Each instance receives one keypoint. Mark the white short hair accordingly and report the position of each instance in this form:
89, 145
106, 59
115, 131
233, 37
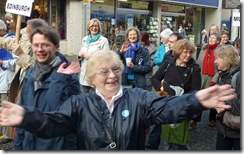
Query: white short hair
8, 15
166, 33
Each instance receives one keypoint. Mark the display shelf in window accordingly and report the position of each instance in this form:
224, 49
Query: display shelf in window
152, 29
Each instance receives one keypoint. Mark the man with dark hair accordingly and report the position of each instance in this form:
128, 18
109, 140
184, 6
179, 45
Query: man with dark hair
23, 51
46, 89
175, 36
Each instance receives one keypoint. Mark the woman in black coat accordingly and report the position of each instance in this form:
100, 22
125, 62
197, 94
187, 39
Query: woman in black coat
228, 122
180, 71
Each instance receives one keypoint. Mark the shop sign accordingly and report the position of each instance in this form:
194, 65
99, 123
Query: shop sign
125, 5
19, 7
164, 8
236, 19
204, 3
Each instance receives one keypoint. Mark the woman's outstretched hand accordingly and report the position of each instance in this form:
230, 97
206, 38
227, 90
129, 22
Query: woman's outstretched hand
125, 46
215, 96
11, 114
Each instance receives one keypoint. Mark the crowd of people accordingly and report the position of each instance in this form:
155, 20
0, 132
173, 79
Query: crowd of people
114, 100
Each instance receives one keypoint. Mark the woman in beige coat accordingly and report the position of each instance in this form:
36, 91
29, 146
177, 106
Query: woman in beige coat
208, 68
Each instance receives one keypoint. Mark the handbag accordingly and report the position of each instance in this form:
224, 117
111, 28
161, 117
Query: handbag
231, 120
176, 133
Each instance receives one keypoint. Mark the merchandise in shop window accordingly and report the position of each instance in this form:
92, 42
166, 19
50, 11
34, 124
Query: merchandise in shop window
168, 22
152, 29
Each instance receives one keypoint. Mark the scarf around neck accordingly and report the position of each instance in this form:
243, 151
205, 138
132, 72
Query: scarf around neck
42, 70
91, 39
131, 53
208, 61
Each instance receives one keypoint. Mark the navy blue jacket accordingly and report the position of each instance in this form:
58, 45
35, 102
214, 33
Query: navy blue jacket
48, 97
134, 111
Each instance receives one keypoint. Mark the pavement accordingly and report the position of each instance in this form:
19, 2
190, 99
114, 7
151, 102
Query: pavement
203, 138
5, 146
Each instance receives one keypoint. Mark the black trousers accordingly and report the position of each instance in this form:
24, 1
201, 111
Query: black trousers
212, 115
225, 143
154, 139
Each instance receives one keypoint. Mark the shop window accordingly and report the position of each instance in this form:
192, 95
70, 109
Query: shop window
40, 9
2, 8
168, 22
193, 24
128, 13
53, 11
58, 16
172, 16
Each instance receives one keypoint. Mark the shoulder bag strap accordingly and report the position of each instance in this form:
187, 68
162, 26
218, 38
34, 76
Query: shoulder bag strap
112, 145
233, 79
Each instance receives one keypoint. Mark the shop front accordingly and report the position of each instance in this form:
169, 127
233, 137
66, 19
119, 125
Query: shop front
53, 11
139, 14
190, 17
128, 14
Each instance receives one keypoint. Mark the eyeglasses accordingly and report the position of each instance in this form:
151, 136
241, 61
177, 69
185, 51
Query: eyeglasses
43, 46
225, 37
105, 72
132, 34
95, 26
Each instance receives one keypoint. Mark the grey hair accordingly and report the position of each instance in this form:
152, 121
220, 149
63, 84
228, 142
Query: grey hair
137, 32
3, 25
36, 22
